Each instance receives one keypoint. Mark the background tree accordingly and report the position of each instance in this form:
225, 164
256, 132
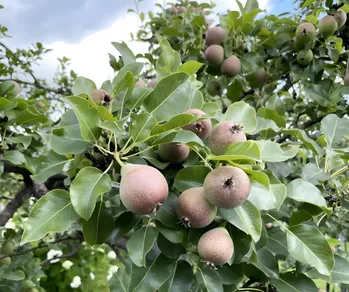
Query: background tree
216, 161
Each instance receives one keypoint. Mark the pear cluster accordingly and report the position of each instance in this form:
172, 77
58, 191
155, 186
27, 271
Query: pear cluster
215, 55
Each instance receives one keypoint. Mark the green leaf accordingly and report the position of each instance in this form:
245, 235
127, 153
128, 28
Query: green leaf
293, 282
303, 191
51, 213
334, 129
190, 67
210, 279
167, 213
181, 278
127, 81
13, 275
15, 157
277, 241
134, 68
48, 165
339, 273
83, 85
267, 263
308, 245
245, 217
318, 93
153, 277
87, 115
29, 116
141, 126
170, 96
301, 135
173, 123
275, 103
274, 152
250, 5
265, 199
120, 280
66, 137
20, 139
99, 227
243, 114
169, 249
87, 186
248, 150
140, 243
190, 177
137, 97
174, 235
271, 114
169, 60
127, 55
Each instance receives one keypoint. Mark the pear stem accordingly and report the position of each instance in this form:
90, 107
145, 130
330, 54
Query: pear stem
118, 160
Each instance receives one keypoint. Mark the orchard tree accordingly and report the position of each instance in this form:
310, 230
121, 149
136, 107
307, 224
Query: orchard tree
216, 161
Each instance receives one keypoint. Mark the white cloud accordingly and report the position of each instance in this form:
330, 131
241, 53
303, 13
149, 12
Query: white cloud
90, 56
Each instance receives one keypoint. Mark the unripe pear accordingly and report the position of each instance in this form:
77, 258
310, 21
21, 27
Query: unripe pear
257, 78
194, 210
341, 17
27, 284
231, 66
181, 9
304, 57
5, 261
142, 188
346, 80
216, 247
214, 55
173, 152
327, 25
201, 128
305, 33
7, 248
227, 187
152, 83
224, 134
100, 96
213, 88
216, 35
140, 83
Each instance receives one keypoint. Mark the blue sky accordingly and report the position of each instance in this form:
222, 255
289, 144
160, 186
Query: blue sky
79, 29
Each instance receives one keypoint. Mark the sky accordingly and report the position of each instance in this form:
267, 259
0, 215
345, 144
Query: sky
82, 30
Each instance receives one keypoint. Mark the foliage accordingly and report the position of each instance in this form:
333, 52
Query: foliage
290, 235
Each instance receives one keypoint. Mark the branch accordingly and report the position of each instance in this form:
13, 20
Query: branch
19, 170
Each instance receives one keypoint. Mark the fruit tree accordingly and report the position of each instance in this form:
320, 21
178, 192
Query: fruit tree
216, 161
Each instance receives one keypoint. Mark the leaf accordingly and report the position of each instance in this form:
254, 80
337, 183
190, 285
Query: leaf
15, 157
134, 68
153, 277
181, 279
20, 139
210, 279
293, 282
339, 273
273, 152
87, 186
243, 114
137, 97
242, 244
87, 115
66, 137
13, 275
277, 241
245, 217
169, 97
248, 150
29, 116
83, 85
140, 243
265, 199
307, 244
318, 93
120, 280
167, 213
169, 58
301, 135
127, 81
49, 165
99, 227
141, 126
334, 129
275, 103
190, 177
51, 213
190, 67
127, 55
267, 263
303, 191
173, 123
174, 235
271, 114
